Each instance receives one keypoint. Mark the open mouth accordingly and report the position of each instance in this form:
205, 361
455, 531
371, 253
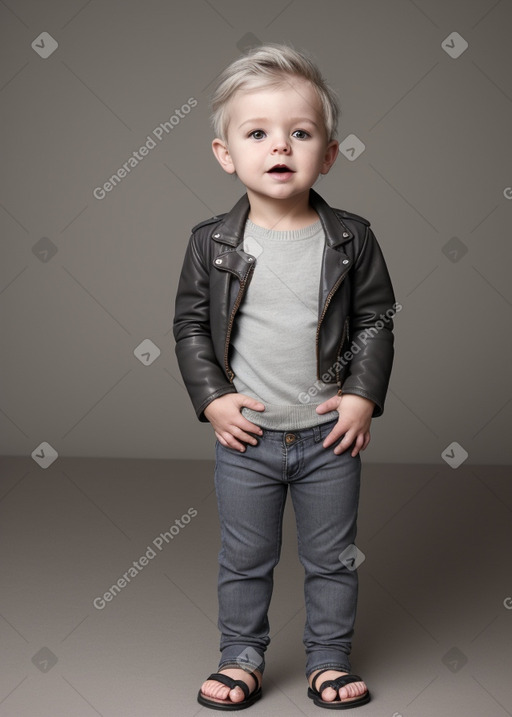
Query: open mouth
279, 169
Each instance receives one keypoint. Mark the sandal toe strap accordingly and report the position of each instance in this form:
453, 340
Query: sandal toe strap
230, 682
251, 673
339, 682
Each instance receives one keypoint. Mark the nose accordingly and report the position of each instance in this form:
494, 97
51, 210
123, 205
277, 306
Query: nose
280, 145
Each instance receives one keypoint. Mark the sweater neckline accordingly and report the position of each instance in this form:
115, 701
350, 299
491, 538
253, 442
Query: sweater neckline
306, 232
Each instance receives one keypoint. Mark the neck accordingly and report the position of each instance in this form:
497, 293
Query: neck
281, 214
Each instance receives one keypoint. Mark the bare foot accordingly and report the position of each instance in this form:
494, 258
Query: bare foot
221, 693
348, 693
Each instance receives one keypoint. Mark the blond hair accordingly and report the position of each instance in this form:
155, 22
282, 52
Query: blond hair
270, 66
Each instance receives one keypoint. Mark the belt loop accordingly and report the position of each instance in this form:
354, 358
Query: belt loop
317, 433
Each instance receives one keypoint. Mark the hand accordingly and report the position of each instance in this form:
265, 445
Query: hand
230, 426
355, 416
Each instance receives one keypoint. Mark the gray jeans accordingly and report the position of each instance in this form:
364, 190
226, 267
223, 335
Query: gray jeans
251, 492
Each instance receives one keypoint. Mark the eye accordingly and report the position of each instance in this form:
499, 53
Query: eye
300, 134
257, 134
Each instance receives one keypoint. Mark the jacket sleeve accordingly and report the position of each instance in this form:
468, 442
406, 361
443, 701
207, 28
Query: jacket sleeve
203, 377
371, 327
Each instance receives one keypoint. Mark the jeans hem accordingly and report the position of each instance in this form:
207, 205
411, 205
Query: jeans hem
247, 666
331, 665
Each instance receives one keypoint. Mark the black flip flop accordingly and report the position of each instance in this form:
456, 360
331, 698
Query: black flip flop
250, 697
316, 694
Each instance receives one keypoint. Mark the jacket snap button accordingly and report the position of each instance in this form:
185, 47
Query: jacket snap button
216, 236
345, 261
345, 234
218, 261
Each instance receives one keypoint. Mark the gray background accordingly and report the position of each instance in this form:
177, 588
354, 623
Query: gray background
437, 165
84, 281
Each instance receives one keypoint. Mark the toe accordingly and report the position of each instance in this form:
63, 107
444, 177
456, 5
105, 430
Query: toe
236, 695
206, 688
212, 688
219, 692
347, 693
352, 690
328, 695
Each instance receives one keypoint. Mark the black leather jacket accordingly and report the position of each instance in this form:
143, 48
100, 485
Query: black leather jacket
354, 339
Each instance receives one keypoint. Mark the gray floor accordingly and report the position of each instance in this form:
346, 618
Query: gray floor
434, 626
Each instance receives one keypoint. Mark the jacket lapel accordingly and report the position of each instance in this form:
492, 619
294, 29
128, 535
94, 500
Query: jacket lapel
335, 262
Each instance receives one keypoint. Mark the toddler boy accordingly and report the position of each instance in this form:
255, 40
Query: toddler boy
283, 331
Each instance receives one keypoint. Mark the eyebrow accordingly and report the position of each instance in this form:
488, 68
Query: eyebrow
294, 120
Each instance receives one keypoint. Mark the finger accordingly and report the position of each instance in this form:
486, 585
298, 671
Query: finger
231, 442
358, 445
347, 440
255, 405
249, 402
334, 435
245, 425
330, 405
238, 437
238, 432
247, 438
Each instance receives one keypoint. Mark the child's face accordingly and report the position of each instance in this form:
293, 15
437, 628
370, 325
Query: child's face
276, 126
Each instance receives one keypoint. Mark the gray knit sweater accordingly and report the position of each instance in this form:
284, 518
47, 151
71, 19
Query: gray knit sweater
274, 355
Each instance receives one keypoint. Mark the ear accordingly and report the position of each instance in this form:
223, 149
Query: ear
221, 152
330, 155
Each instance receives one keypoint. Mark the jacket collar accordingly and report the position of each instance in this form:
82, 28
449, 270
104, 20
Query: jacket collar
231, 228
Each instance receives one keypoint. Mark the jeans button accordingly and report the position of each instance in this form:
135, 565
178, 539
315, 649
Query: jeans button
290, 438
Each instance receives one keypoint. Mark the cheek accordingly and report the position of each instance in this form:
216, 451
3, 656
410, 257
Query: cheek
244, 165
313, 155
249, 160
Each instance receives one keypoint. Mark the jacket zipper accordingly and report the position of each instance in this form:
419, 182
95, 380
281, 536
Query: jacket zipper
326, 306
238, 300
